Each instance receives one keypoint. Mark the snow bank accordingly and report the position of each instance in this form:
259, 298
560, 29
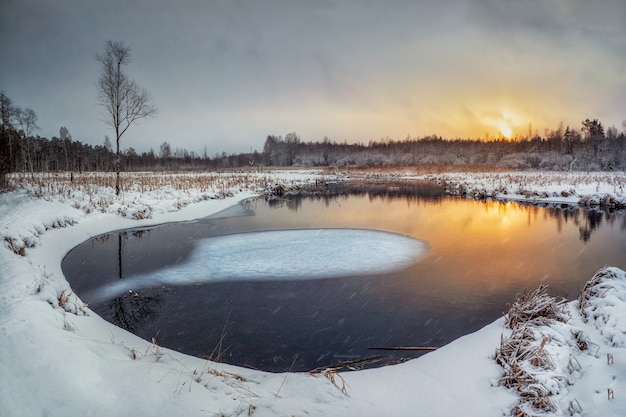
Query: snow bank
25, 219
602, 304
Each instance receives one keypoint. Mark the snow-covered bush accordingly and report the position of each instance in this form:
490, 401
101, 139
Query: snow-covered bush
603, 303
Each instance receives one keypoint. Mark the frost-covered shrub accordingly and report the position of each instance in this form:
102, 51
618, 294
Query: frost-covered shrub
375, 159
346, 161
514, 161
312, 159
555, 161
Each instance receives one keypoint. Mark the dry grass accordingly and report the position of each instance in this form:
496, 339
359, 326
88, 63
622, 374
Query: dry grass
217, 372
69, 302
64, 298
86, 189
42, 280
216, 356
524, 354
536, 307
63, 183
15, 246
333, 376
153, 348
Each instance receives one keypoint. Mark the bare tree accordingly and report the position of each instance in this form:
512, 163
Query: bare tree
66, 140
165, 152
7, 119
123, 100
27, 118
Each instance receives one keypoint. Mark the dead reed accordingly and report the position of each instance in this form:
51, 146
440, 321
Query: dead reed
524, 354
89, 184
536, 307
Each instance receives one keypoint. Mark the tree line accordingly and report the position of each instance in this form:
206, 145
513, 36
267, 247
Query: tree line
590, 147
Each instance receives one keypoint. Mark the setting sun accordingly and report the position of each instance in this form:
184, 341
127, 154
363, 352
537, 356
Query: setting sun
505, 129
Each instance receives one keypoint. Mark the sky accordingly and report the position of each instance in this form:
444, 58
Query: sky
225, 74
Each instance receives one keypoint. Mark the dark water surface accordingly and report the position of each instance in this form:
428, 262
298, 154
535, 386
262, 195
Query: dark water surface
480, 255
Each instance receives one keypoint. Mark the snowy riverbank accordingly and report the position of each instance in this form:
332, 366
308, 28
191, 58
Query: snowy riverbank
57, 358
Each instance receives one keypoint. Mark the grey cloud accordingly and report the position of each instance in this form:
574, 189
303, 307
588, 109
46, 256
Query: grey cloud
603, 20
254, 64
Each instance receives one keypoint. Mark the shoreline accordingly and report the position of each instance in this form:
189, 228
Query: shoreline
390, 184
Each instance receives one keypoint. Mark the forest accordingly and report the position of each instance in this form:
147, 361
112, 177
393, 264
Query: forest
589, 147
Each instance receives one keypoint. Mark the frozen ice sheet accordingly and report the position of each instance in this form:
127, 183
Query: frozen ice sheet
280, 255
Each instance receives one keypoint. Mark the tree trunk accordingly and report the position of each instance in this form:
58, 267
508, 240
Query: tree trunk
117, 163
117, 175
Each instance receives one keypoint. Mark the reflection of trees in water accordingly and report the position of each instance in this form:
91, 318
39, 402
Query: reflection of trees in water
418, 190
122, 237
593, 219
101, 240
333, 193
133, 310
105, 238
614, 219
587, 220
138, 234
292, 202
563, 214
425, 192
250, 204
410, 190
590, 222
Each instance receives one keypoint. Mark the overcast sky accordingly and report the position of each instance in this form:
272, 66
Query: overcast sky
225, 74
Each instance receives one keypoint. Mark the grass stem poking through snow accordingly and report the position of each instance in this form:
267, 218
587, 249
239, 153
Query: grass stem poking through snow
286, 375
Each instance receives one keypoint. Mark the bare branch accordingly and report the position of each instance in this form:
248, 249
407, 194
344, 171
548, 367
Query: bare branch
122, 100
27, 119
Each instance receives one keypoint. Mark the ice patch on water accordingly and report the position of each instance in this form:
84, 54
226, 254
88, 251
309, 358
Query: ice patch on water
280, 255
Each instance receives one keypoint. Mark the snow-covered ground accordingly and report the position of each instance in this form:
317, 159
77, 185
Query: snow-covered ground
57, 358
